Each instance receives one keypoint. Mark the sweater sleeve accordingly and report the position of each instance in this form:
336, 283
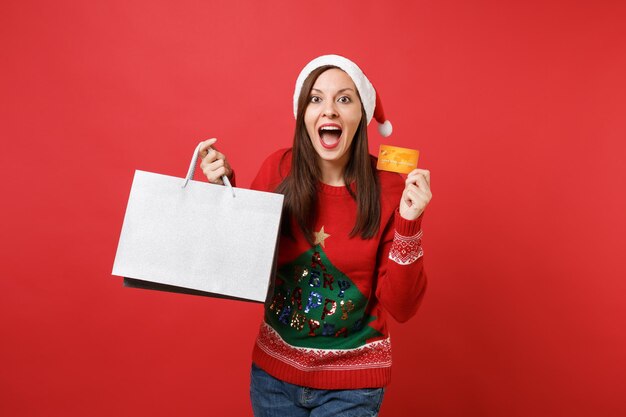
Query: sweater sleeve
401, 277
272, 172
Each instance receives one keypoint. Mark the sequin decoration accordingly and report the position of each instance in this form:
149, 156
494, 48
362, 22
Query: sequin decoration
328, 329
298, 320
313, 326
314, 279
329, 311
277, 302
316, 261
346, 308
328, 281
299, 272
343, 331
284, 315
296, 298
343, 286
315, 301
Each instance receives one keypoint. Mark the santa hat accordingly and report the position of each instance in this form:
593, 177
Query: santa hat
370, 99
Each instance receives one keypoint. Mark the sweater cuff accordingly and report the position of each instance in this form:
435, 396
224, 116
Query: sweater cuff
406, 247
407, 228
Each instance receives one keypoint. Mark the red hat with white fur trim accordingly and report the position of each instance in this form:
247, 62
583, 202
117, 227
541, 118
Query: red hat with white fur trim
370, 99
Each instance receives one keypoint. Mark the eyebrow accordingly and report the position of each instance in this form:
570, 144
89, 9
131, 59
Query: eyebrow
340, 91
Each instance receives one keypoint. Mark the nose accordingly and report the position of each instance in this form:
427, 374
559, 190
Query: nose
329, 109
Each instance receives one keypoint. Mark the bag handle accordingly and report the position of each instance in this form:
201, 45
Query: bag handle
192, 168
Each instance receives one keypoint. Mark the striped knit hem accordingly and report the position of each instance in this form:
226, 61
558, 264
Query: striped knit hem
366, 367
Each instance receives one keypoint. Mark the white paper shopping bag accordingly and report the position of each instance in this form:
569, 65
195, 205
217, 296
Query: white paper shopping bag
194, 237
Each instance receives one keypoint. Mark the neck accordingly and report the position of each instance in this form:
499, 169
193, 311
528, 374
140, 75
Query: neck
332, 172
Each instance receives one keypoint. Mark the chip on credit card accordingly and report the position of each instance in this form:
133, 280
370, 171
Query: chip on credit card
395, 159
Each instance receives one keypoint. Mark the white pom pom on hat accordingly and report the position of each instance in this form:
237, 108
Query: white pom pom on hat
370, 99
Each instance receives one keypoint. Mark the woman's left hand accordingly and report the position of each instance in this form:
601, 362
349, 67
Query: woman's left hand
416, 194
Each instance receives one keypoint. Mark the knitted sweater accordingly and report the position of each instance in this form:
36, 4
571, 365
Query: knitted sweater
325, 320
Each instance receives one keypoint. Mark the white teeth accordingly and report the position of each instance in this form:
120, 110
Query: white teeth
330, 128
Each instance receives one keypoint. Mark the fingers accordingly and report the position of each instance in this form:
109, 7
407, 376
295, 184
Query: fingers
213, 164
412, 204
215, 170
208, 153
417, 172
416, 194
210, 156
204, 147
420, 178
416, 191
424, 186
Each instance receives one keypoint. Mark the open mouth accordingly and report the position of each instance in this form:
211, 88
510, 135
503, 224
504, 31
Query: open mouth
329, 135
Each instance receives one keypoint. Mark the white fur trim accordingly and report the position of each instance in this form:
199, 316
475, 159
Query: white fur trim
366, 90
385, 129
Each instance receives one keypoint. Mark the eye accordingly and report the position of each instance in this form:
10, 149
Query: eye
344, 99
315, 99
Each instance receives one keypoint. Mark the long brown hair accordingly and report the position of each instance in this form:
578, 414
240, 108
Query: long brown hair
300, 186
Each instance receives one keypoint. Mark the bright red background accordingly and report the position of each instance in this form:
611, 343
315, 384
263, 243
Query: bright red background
518, 108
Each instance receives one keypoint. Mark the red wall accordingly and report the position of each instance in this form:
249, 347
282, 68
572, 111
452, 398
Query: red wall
518, 109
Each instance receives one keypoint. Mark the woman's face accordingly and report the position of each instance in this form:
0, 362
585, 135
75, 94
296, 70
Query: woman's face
333, 115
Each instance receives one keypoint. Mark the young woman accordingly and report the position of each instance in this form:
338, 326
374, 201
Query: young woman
349, 253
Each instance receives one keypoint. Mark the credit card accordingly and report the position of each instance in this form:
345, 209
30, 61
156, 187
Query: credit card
395, 159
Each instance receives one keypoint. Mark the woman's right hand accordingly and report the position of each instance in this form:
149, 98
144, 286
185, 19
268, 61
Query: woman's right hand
214, 163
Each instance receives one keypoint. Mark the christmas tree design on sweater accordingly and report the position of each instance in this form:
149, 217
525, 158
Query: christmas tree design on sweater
315, 305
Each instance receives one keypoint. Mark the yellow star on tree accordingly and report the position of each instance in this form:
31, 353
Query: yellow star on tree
320, 237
